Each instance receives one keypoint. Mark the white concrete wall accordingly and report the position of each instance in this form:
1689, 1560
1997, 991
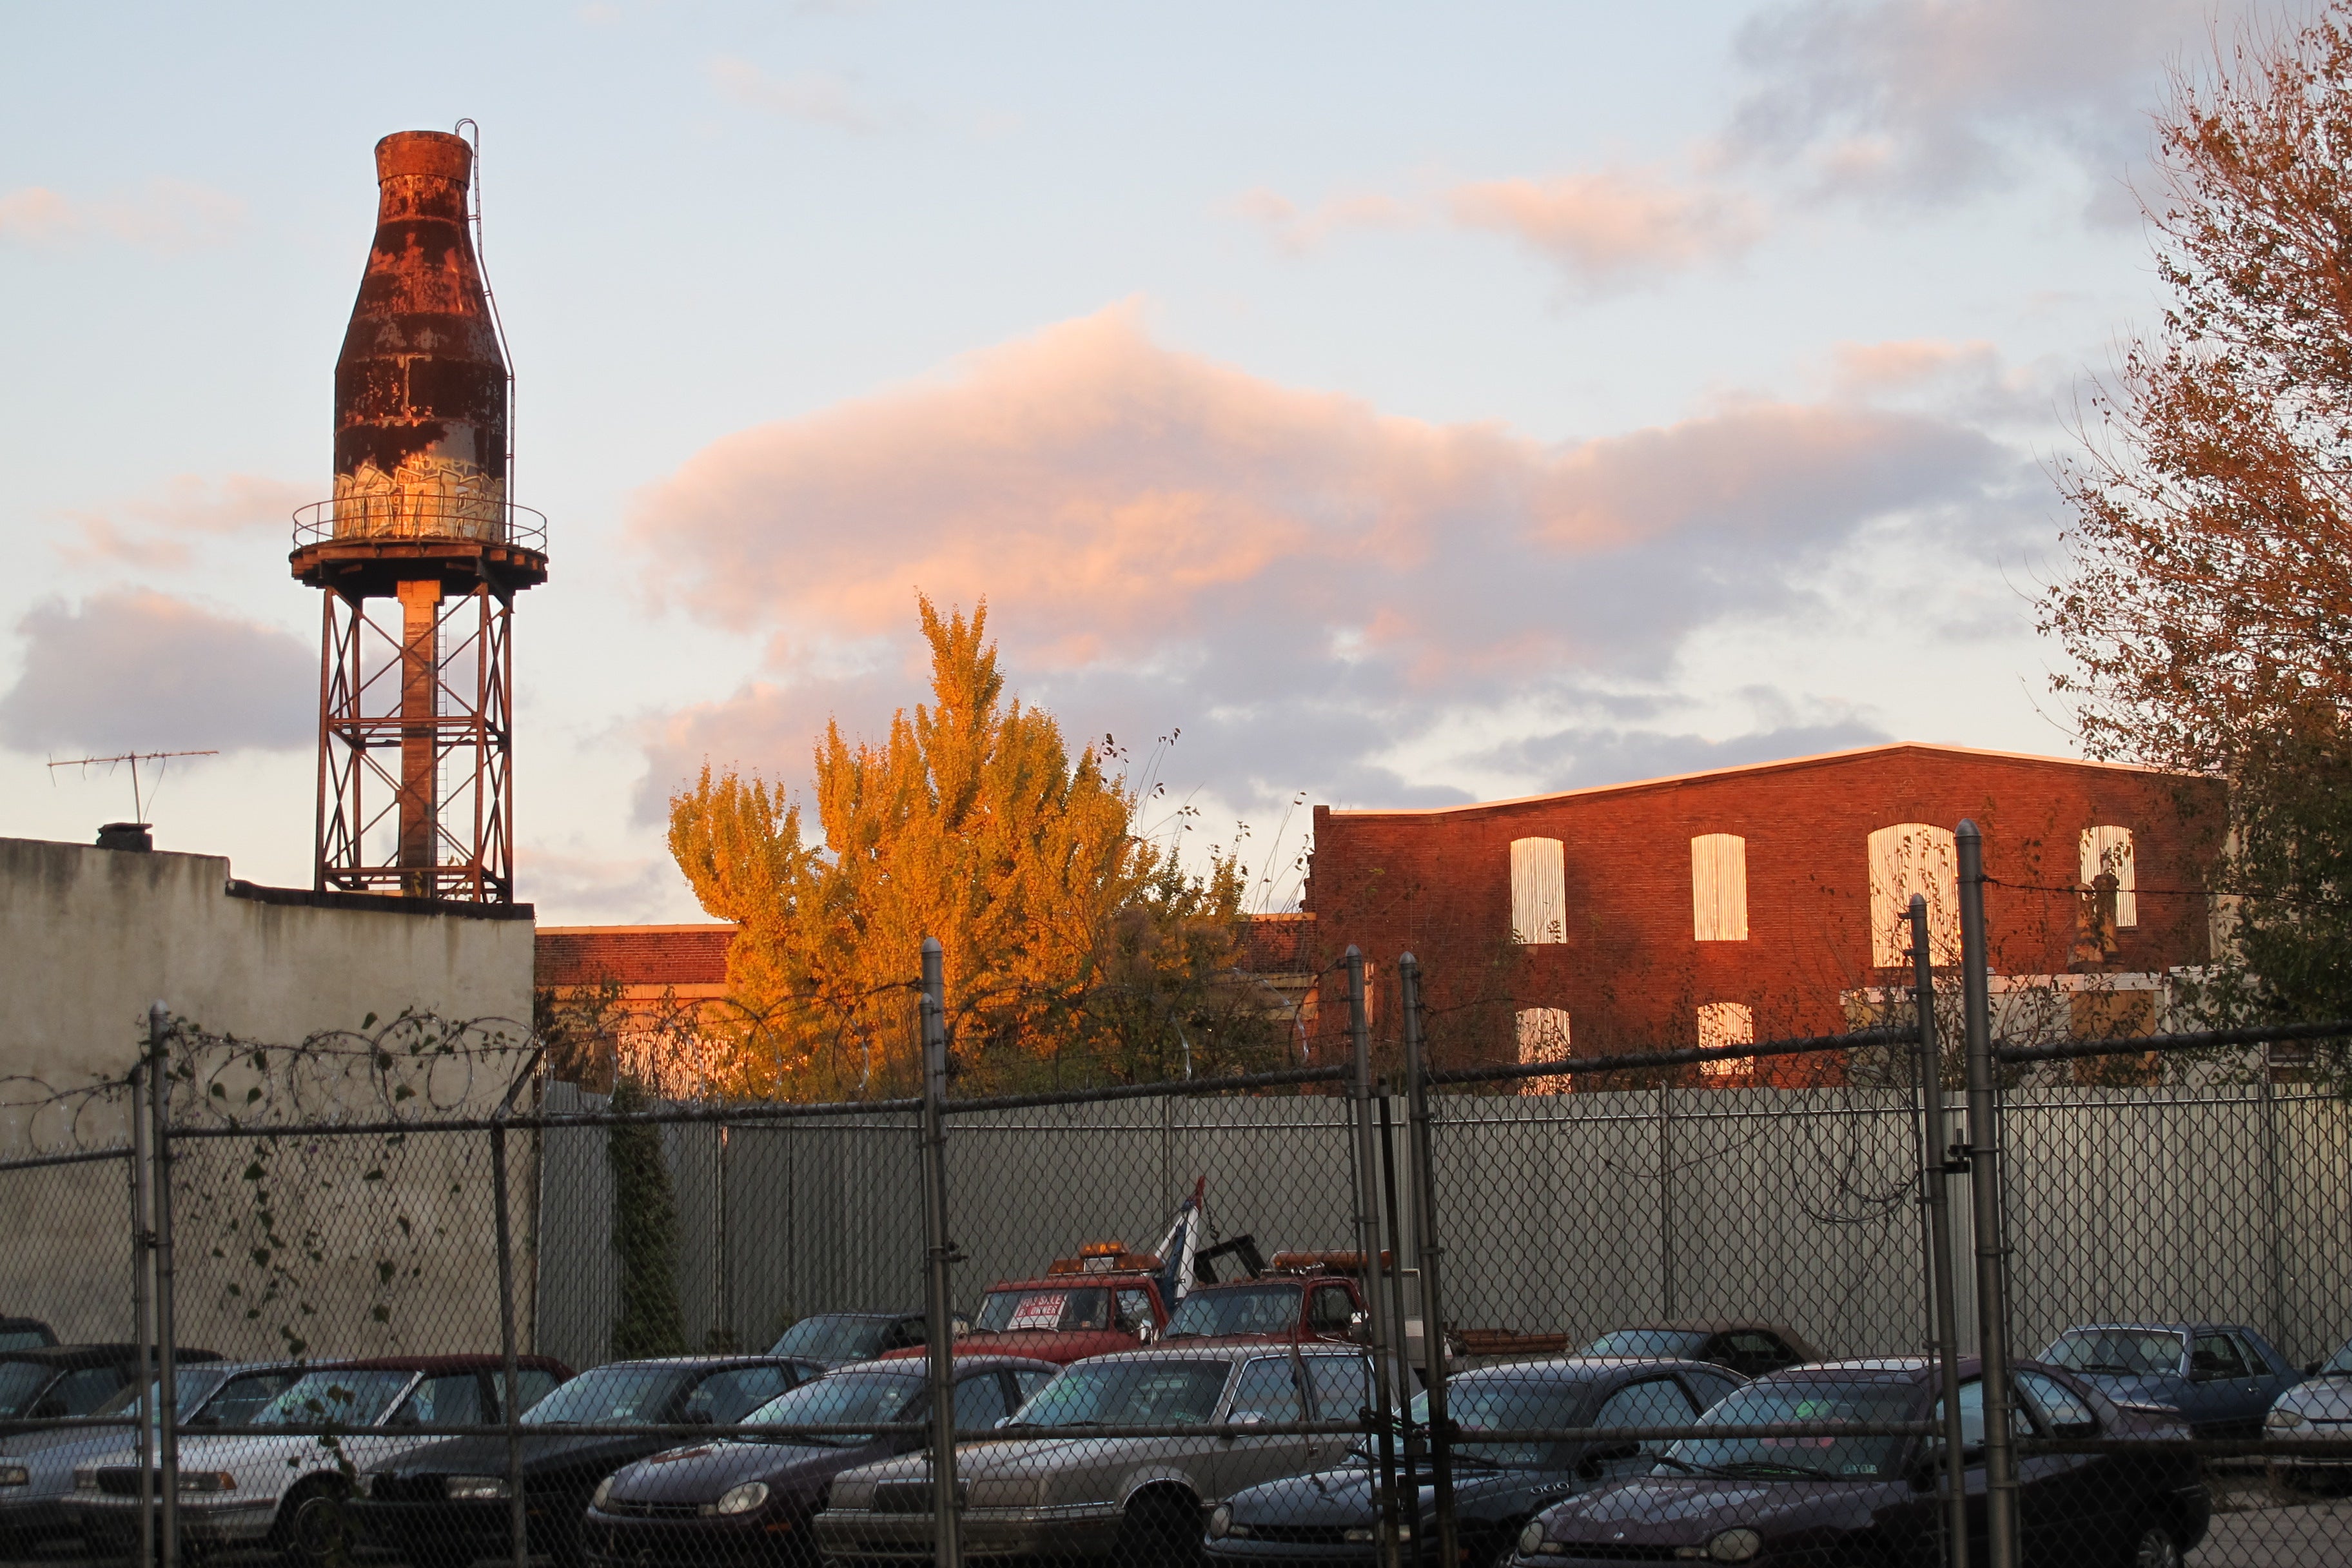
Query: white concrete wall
397, 1260
89, 937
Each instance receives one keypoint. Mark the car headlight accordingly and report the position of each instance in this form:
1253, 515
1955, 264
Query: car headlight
604, 1490
14, 1476
207, 1481
1735, 1546
474, 1489
742, 1499
1221, 1523
2280, 1420
1532, 1539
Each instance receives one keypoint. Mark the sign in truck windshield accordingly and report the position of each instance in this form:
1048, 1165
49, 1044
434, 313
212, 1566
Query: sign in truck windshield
1004, 1311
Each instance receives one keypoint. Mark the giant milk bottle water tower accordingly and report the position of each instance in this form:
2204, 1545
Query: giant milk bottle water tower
420, 554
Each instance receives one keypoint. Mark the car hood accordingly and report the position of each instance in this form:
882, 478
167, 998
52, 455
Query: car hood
699, 1473
1344, 1497
1684, 1511
2322, 1399
542, 1454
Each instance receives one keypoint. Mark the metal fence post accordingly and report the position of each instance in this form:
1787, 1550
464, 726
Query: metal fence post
937, 1298
518, 1516
1942, 1310
1368, 1244
1985, 1196
1423, 1178
167, 1414
142, 1308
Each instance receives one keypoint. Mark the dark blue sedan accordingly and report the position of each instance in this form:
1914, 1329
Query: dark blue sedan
2222, 1377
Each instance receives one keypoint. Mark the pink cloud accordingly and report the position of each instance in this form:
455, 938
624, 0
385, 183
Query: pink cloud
1300, 230
1112, 498
1612, 228
169, 214
192, 509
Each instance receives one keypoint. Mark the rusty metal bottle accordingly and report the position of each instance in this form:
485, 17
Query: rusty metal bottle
420, 383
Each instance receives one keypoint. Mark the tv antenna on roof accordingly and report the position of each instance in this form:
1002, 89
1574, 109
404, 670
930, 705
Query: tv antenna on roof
138, 804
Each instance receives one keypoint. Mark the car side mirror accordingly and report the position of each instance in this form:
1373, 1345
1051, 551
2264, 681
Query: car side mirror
1001, 1423
2312, 1369
1596, 1458
1246, 1418
1149, 1333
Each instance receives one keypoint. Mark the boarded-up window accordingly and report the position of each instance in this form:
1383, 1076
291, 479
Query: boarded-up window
1543, 1037
1906, 858
1722, 1024
1719, 887
1538, 891
2110, 849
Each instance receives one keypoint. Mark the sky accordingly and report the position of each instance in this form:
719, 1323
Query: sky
1371, 406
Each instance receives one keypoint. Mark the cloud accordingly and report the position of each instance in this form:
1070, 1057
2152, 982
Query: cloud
1298, 230
169, 215
814, 97
158, 531
1310, 586
1614, 229
1927, 100
138, 670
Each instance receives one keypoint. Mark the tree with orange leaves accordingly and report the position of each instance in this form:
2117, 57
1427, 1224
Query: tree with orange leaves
2208, 603
1074, 949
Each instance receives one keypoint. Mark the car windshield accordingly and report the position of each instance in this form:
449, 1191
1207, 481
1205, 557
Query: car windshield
1129, 1393
21, 1383
2337, 1365
2144, 1353
1239, 1310
22, 1339
1664, 1342
1787, 1402
346, 1399
1083, 1307
833, 1337
194, 1385
836, 1401
1502, 1403
623, 1396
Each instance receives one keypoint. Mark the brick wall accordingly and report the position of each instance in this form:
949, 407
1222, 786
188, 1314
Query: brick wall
1629, 971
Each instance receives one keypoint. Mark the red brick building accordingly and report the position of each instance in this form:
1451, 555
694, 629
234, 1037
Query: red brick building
1753, 902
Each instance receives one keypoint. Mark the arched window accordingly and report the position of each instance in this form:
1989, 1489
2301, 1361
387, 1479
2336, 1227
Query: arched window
1538, 891
1906, 858
2109, 849
1719, 887
1543, 1036
1724, 1024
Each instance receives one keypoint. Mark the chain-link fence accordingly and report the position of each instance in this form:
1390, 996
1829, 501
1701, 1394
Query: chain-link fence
1914, 1294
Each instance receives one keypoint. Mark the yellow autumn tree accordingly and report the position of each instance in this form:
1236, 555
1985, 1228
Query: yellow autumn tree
1074, 950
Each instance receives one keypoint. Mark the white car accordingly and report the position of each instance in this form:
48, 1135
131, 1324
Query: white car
2320, 1407
286, 1493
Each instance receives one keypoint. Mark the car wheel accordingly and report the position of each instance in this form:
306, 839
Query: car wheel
2155, 1548
1162, 1531
313, 1527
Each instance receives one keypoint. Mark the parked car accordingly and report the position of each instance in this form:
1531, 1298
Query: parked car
54, 1381
1749, 1348
37, 1470
2320, 1407
1332, 1516
1104, 1300
26, 1334
1732, 1497
1281, 1306
751, 1501
445, 1502
291, 1493
837, 1338
2222, 1378
1044, 1488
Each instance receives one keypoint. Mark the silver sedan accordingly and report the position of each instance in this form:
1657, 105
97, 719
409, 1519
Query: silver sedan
1043, 1487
